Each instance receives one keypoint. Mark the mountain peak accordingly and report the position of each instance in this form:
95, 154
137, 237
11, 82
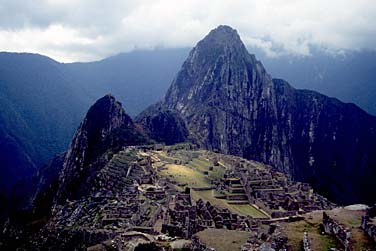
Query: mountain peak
223, 35
230, 104
109, 96
223, 30
219, 60
220, 42
106, 127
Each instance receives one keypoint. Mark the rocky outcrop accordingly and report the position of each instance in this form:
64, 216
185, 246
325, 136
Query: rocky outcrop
105, 129
45, 186
164, 126
232, 105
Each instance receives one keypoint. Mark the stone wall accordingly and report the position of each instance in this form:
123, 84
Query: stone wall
197, 245
339, 231
155, 217
369, 228
306, 242
368, 225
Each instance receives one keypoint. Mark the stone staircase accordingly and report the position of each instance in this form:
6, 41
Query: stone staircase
235, 193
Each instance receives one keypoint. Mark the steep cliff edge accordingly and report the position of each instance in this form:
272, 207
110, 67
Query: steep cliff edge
232, 105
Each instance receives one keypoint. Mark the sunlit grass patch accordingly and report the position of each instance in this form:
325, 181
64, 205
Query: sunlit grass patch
209, 195
223, 240
185, 175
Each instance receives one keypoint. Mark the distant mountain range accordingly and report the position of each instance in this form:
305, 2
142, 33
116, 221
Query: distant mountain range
39, 110
349, 77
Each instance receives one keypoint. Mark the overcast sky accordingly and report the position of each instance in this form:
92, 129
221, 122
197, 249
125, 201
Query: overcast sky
85, 30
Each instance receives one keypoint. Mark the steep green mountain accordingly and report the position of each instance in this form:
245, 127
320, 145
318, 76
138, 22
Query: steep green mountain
232, 105
105, 130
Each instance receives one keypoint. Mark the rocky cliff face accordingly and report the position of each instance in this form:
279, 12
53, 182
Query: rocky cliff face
163, 126
232, 105
44, 186
105, 129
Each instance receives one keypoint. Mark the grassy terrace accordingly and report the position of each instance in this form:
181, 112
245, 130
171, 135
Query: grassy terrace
209, 195
223, 240
351, 219
185, 176
295, 230
203, 165
192, 175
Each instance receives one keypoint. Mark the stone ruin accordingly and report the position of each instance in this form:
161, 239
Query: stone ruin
306, 242
186, 217
273, 240
342, 233
181, 217
369, 222
268, 189
131, 240
197, 245
130, 197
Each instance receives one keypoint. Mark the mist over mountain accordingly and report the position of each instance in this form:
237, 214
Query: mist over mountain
349, 76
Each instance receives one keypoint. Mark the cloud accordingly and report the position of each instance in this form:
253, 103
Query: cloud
70, 30
57, 41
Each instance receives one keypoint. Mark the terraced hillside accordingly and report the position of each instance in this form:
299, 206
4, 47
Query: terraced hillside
170, 196
197, 170
244, 187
